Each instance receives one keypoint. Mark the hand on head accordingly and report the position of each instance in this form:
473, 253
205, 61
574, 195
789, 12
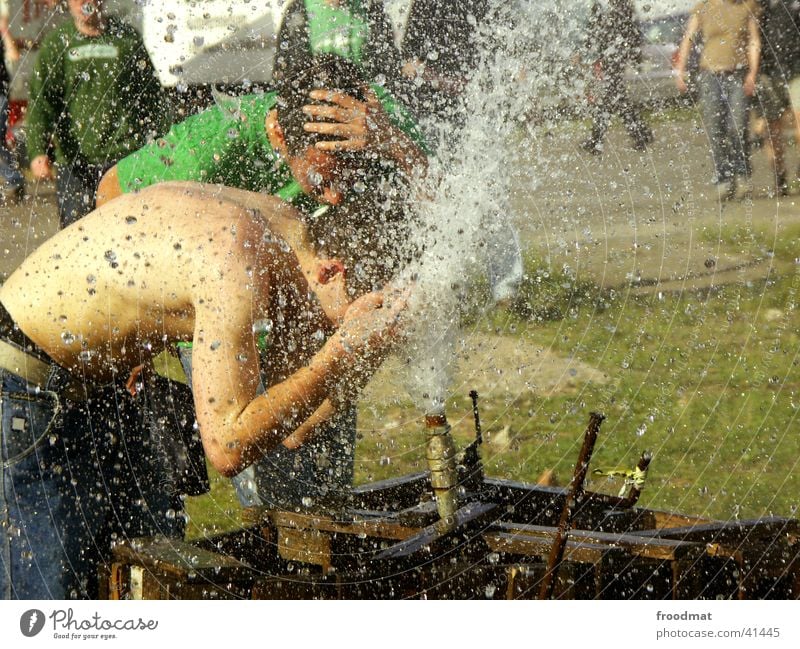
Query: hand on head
353, 124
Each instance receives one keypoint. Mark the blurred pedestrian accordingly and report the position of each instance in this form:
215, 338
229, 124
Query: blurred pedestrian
95, 93
14, 183
729, 64
780, 62
614, 41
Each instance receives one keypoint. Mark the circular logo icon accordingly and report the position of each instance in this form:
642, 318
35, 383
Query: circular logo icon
31, 622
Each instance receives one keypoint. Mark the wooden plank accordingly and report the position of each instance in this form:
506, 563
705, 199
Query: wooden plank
181, 560
305, 546
532, 546
728, 532
382, 528
641, 546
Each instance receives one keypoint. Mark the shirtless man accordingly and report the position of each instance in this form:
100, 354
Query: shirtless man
276, 143
175, 262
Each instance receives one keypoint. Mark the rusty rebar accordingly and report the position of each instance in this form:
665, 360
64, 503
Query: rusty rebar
574, 494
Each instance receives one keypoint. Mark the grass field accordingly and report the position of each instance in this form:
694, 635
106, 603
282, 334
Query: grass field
707, 381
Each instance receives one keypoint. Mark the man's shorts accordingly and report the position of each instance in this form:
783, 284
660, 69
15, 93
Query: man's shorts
772, 97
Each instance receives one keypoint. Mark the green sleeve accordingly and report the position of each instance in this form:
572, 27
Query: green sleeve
46, 90
191, 150
401, 117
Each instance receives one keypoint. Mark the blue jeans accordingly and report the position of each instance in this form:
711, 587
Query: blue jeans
75, 478
9, 169
318, 472
725, 108
76, 190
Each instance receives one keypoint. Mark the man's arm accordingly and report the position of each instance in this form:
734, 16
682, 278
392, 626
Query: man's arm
753, 56
46, 90
236, 426
683, 52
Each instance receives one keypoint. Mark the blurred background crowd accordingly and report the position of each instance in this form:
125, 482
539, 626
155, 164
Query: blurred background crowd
737, 60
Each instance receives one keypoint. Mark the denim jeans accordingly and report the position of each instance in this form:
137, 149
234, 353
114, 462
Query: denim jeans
76, 190
725, 108
317, 473
9, 169
75, 478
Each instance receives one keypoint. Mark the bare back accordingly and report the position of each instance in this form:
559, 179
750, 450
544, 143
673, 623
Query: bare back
106, 290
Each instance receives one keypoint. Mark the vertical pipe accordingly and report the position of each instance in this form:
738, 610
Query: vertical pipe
441, 456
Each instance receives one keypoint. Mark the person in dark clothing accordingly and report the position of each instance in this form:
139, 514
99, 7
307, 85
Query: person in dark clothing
780, 63
442, 49
440, 52
615, 40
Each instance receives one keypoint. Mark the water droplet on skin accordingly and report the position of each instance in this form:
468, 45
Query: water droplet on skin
215, 345
91, 279
67, 337
110, 256
263, 326
169, 514
130, 220
242, 358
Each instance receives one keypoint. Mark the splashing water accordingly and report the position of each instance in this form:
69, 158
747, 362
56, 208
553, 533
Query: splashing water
528, 53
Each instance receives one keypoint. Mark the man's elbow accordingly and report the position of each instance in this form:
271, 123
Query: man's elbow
226, 463
109, 187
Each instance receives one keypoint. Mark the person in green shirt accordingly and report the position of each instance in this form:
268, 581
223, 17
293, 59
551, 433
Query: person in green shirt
241, 142
95, 95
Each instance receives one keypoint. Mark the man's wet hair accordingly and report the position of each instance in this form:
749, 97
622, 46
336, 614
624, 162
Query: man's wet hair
369, 230
325, 71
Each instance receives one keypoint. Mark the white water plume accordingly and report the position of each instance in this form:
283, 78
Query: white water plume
523, 82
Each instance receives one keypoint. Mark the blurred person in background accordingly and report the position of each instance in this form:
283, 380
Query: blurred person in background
614, 41
780, 63
729, 64
14, 183
440, 53
94, 94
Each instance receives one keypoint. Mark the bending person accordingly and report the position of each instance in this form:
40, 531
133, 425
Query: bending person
175, 263
268, 143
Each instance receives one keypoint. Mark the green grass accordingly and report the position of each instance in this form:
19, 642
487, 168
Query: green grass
707, 381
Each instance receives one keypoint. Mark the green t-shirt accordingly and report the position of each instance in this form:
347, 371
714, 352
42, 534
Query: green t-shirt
228, 144
99, 96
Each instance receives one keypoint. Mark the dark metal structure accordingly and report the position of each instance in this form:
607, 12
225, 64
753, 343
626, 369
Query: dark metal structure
505, 540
